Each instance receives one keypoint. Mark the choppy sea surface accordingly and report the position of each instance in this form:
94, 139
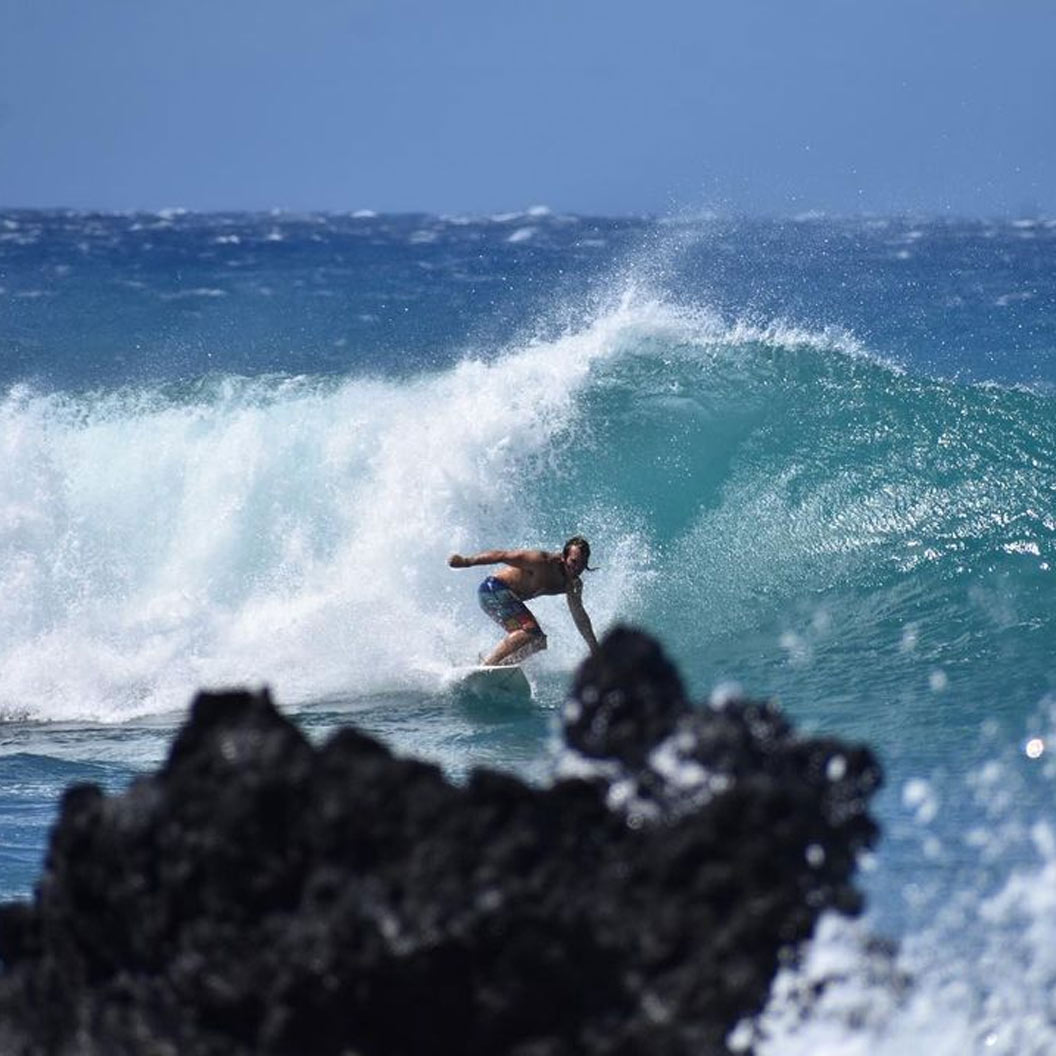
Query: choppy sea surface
816, 457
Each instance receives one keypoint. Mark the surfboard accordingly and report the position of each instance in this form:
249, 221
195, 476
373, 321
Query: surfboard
506, 682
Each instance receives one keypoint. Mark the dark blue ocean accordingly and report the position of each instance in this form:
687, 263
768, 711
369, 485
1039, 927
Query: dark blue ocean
816, 457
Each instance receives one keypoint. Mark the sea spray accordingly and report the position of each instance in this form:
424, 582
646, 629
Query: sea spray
947, 986
284, 529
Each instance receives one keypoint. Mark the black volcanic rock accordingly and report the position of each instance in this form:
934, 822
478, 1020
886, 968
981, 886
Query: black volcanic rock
260, 895
630, 698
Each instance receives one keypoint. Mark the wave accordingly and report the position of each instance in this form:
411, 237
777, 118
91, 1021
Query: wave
734, 479
288, 530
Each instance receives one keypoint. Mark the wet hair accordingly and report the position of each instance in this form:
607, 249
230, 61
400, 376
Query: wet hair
584, 546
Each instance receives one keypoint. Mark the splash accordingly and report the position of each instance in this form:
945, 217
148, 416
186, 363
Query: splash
294, 530
284, 530
976, 973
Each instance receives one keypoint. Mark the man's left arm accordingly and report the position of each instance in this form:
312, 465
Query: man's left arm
579, 614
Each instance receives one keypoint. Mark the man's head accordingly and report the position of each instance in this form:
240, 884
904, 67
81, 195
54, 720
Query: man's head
576, 555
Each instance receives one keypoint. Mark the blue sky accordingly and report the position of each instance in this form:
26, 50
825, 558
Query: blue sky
591, 106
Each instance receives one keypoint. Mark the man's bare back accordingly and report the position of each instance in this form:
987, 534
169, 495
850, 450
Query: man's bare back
529, 574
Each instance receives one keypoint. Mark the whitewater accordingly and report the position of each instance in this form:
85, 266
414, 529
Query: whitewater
817, 458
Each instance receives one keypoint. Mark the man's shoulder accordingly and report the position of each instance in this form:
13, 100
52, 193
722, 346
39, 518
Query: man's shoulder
528, 557
540, 558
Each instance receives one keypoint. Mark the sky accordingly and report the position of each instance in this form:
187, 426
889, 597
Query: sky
600, 107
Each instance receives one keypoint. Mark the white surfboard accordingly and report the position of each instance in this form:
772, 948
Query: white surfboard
506, 682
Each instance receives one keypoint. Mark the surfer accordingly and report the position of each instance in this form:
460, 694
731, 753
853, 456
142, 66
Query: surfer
527, 575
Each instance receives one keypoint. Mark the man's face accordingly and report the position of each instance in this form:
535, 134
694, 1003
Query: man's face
574, 561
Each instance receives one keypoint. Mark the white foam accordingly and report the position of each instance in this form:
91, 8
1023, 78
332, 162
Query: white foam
976, 972
204, 292
297, 535
279, 533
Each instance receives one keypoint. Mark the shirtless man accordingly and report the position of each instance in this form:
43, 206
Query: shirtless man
528, 574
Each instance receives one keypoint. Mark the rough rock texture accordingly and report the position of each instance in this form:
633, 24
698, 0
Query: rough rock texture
261, 895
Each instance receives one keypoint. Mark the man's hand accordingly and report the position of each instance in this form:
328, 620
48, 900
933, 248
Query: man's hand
458, 561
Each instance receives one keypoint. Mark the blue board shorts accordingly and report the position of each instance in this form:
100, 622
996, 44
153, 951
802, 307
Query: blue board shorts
505, 608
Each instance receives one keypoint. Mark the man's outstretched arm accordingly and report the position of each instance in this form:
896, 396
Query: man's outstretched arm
517, 558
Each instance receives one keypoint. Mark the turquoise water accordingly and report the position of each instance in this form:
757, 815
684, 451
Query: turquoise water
816, 458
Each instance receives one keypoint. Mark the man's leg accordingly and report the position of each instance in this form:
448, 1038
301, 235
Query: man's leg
524, 636
516, 646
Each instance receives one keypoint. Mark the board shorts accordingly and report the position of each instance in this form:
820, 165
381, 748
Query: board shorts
505, 608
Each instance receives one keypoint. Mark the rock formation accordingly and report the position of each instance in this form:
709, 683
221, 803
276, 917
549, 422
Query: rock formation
261, 895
